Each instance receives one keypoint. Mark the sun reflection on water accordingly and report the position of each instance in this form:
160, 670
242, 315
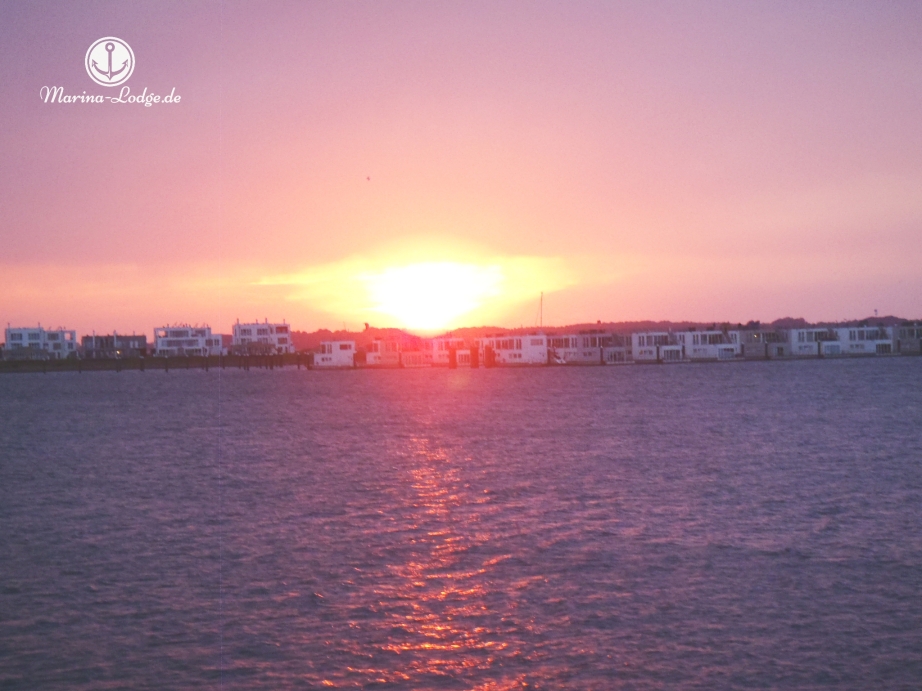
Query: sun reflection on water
435, 608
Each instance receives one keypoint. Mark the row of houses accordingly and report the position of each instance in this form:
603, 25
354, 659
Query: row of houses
255, 338
689, 346
601, 348
593, 347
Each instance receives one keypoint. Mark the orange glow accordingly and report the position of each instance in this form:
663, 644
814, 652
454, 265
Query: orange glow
424, 287
432, 295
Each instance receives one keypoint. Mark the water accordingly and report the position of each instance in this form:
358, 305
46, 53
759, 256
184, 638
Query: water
753, 525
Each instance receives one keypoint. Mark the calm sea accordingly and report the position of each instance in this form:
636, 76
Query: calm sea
751, 525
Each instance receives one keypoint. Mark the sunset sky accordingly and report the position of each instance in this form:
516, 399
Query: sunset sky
430, 165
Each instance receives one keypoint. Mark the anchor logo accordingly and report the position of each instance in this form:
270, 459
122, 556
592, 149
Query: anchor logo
109, 61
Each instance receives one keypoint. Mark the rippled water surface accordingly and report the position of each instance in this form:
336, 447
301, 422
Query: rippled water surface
752, 525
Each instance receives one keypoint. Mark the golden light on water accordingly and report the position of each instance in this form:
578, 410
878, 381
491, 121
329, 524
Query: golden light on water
435, 605
424, 290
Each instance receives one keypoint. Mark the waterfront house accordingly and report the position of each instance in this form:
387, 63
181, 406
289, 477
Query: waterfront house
616, 349
335, 354
518, 349
908, 337
765, 344
814, 342
416, 358
866, 340
262, 338
564, 348
182, 339
593, 347
37, 343
709, 345
382, 353
440, 350
115, 345
656, 346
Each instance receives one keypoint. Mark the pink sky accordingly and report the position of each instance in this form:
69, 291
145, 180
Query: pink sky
703, 161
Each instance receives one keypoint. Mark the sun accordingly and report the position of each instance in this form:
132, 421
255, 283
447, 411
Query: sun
424, 288
432, 295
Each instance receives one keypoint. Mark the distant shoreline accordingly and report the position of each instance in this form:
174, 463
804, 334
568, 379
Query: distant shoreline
303, 360
206, 363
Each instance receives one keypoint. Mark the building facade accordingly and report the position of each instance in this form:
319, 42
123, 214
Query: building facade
335, 354
709, 345
908, 337
765, 344
652, 347
866, 340
37, 343
579, 349
175, 341
382, 353
815, 342
519, 349
440, 350
262, 338
114, 346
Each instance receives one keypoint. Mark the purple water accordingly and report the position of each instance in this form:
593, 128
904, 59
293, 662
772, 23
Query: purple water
751, 525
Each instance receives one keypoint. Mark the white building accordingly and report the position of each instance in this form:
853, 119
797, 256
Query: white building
513, 350
711, 345
416, 358
590, 348
765, 344
40, 344
439, 352
616, 349
866, 340
578, 349
656, 346
335, 354
908, 338
382, 353
617, 355
182, 339
467, 357
851, 340
815, 342
563, 348
415, 352
262, 337
440, 349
